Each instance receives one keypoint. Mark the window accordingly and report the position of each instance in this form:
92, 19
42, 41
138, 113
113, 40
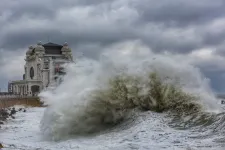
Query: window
31, 72
46, 65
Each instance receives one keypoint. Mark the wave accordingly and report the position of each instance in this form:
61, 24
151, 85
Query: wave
128, 78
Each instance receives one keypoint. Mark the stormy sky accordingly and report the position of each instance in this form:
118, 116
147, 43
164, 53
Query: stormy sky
193, 28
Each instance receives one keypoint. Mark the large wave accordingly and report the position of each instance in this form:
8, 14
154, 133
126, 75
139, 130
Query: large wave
128, 77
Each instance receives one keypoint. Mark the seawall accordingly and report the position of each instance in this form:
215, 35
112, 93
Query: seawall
26, 101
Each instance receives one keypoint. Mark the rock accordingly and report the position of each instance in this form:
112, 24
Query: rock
13, 111
8, 112
3, 114
24, 110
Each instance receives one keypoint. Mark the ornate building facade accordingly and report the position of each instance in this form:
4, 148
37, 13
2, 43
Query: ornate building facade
44, 64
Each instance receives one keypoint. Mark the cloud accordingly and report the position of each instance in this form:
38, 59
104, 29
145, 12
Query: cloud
11, 66
180, 12
188, 28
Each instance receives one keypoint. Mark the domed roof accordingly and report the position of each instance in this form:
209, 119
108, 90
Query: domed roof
29, 51
65, 47
31, 47
39, 47
65, 44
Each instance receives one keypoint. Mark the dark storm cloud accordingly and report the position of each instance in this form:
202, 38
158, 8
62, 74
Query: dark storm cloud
180, 12
48, 9
220, 50
27, 38
89, 26
214, 38
43, 9
130, 21
75, 38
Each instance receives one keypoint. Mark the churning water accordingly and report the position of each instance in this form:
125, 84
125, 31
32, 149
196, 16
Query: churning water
159, 99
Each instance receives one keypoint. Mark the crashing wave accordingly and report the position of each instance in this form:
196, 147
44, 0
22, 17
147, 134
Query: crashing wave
98, 95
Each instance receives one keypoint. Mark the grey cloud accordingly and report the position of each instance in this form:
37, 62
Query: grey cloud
214, 38
179, 12
143, 13
216, 78
14, 41
220, 49
11, 66
91, 25
74, 39
42, 9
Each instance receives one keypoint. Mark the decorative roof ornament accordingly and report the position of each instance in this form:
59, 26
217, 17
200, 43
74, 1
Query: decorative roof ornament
29, 51
66, 51
39, 43
65, 44
31, 47
65, 47
39, 47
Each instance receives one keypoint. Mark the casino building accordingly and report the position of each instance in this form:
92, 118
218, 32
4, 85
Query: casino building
43, 67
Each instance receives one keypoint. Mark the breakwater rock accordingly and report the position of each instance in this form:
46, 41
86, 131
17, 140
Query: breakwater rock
6, 113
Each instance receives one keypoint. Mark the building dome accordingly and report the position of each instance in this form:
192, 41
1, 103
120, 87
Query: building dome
39, 47
65, 44
66, 48
31, 47
29, 51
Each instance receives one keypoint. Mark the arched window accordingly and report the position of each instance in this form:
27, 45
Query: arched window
25, 72
31, 72
15, 89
